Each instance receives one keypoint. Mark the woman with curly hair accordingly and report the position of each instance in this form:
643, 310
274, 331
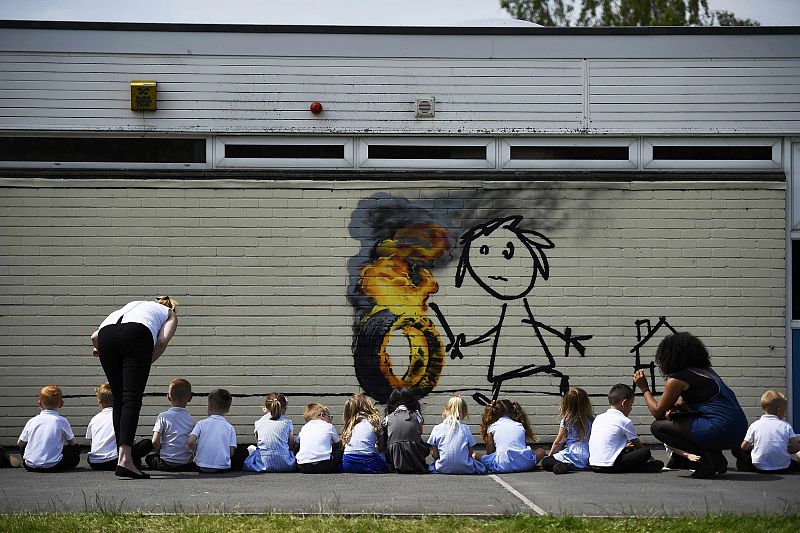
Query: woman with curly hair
697, 413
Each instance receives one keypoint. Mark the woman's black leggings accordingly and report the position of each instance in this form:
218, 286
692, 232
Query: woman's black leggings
676, 433
126, 352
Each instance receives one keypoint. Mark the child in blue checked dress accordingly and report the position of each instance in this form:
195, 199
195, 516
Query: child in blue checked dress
573, 434
506, 430
452, 443
275, 435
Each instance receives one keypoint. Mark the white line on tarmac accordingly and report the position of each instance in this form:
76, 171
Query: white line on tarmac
535, 508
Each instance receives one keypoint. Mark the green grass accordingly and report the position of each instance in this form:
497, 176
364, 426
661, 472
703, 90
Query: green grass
132, 523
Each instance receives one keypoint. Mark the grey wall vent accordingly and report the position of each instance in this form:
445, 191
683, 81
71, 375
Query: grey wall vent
425, 107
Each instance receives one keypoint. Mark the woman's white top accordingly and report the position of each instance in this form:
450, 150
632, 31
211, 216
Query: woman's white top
150, 314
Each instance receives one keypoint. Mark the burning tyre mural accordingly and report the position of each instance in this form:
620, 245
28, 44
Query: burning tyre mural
398, 285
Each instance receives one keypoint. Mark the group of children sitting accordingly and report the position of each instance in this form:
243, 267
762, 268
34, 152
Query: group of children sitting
372, 443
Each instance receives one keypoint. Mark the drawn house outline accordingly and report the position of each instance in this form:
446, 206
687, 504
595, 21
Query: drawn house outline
642, 340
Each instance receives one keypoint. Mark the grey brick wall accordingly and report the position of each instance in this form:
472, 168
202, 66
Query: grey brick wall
262, 271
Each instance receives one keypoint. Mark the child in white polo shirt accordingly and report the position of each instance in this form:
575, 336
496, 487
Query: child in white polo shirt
320, 446
47, 441
100, 431
171, 432
213, 439
614, 445
770, 441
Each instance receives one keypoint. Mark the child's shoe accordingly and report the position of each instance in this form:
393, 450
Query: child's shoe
560, 468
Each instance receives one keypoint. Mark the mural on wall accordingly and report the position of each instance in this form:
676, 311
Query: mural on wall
391, 285
390, 293
489, 253
645, 331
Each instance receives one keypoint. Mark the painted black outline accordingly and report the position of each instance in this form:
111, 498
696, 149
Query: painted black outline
536, 244
642, 340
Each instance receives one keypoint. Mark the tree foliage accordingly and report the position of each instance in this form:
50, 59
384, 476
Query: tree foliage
622, 13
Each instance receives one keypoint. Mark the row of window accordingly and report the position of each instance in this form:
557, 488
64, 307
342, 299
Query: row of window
392, 152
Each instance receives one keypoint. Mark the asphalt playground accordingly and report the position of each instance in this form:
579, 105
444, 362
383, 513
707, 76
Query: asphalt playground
582, 494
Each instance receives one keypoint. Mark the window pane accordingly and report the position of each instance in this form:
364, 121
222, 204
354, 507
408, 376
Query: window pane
710, 153
284, 151
396, 151
102, 150
605, 153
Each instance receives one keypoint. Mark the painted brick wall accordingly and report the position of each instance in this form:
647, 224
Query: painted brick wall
263, 271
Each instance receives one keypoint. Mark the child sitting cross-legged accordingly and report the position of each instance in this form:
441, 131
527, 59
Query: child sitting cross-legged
770, 441
171, 432
363, 437
100, 431
275, 434
452, 443
570, 450
47, 441
320, 446
213, 439
506, 430
614, 445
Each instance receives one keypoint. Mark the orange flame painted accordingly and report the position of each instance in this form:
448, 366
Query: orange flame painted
399, 287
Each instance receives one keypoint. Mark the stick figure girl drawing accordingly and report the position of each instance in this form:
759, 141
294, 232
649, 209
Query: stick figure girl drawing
496, 255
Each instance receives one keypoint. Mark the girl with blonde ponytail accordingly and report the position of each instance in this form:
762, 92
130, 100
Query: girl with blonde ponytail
451, 442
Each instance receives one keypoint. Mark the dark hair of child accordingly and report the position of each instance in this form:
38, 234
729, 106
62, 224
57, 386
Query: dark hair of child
402, 396
618, 393
500, 408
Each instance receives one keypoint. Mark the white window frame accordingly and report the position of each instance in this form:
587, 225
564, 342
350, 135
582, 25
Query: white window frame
632, 163
220, 161
775, 143
488, 143
106, 164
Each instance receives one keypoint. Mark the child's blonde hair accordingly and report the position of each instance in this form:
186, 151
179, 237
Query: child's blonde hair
104, 394
314, 410
500, 408
356, 409
455, 411
220, 400
576, 410
51, 396
772, 400
276, 403
180, 390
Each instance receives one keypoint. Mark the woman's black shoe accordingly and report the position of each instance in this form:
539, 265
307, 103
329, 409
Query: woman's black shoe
705, 468
720, 463
121, 471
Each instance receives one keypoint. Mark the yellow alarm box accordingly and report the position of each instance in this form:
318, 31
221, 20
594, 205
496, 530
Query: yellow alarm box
144, 96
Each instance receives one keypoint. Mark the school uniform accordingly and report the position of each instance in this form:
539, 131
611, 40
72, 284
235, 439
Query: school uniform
174, 425
272, 453
316, 455
215, 438
512, 453
405, 449
453, 443
576, 451
360, 455
608, 451
47, 435
769, 436
100, 431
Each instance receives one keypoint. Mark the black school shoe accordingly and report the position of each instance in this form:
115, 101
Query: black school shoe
121, 471
719, 461
652, 466
705, 468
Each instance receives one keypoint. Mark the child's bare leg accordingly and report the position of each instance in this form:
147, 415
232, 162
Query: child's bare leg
477, 455
540, 454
